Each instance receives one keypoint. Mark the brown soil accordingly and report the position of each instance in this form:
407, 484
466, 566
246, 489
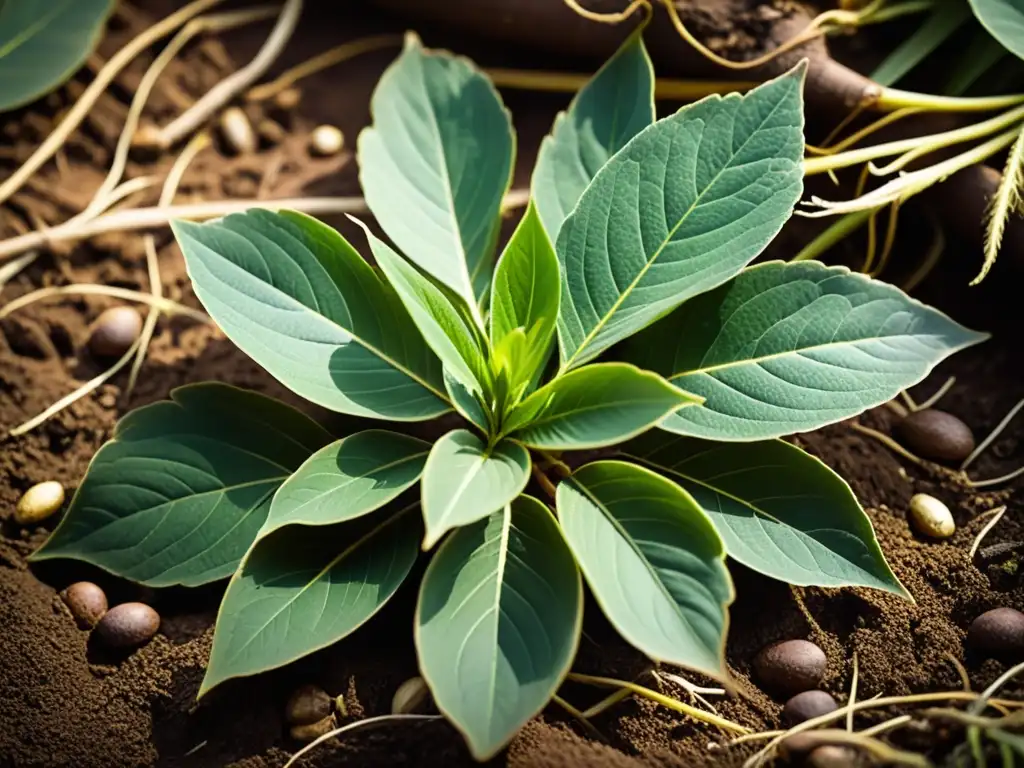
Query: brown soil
65, 703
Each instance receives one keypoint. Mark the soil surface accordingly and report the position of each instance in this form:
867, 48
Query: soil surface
65, 703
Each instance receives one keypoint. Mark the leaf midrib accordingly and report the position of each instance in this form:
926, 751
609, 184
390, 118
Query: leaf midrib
32, 30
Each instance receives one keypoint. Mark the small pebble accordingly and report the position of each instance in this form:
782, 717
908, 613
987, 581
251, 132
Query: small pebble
936, 435
410, 696
790, 667
39, 502
87, 603
931, 517
128, 625
306, 733
832, 756
808, 705
326, 140
999, 632
237, 131
309, 704
114, 332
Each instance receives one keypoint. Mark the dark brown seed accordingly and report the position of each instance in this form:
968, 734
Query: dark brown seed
309, 704
114, 332
807, 705
312, 731
128, 625
832, 756
87, 603
999, 632
790, 667
936, 435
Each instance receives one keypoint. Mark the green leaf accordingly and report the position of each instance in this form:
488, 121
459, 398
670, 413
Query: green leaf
599, 405
525, 298
790, 347
303, 588
653, 561
180, 492
467, 403
436, 163
1004, 19
498, 622
944, 20
347, 479
778, 510
613, 107
42, 44
297, 298
445, 327
465, 481
684, 206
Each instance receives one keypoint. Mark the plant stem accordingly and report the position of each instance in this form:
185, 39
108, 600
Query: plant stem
842, 228
660, 698
237, 82
570, 82
544, 481
998, 430
358, 725
103, 78
893, 98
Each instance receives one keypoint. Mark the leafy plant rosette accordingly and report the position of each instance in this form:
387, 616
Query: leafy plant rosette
675, 356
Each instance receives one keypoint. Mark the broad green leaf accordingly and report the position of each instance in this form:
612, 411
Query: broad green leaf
653, 561
445, 327
599, 405
297, 298
465, 481
303, 588
790, 347
436, 163
467, 403
1005, 20
44, 42
778, 510
347, 479
524, 298
684, 206
180, 492
612, 108
498, 622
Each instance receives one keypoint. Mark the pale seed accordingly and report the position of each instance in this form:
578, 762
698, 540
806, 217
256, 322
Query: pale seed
114, 332
307, 705
39, 502
87, 603
306, 733
237, 131
931, 517
326, 140
410, 696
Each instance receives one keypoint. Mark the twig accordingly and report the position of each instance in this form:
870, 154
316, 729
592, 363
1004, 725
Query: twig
99, 84
992, 435
579, 717
607, 702
369, 722
941, 393
237, 82
997, 515
888, 442
544, 481
12, 268
996, 480
965, 679
853, 694
89, 289
911, 405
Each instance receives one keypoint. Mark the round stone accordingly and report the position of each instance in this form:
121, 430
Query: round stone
936, 435
790, 667
999, 633
807, 706
87, 603
128, 625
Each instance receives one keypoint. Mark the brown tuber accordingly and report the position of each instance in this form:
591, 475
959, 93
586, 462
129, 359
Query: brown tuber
114, 332
936, 435
128, 625
87, 603
307, 705
999, 633
808, 705
790, 667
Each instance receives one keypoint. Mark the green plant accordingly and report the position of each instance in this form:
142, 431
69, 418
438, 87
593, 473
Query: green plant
43, 44
659, 324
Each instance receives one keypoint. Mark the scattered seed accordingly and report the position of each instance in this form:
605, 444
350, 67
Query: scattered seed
39, 502
806, 705
237, 131
272, 133
114, 332
791, 666
306, 733
832, 756
288, 99
936, 435
931, 517
307, 705
999, 632
410, 696
326, 140
128, 625
87, 603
